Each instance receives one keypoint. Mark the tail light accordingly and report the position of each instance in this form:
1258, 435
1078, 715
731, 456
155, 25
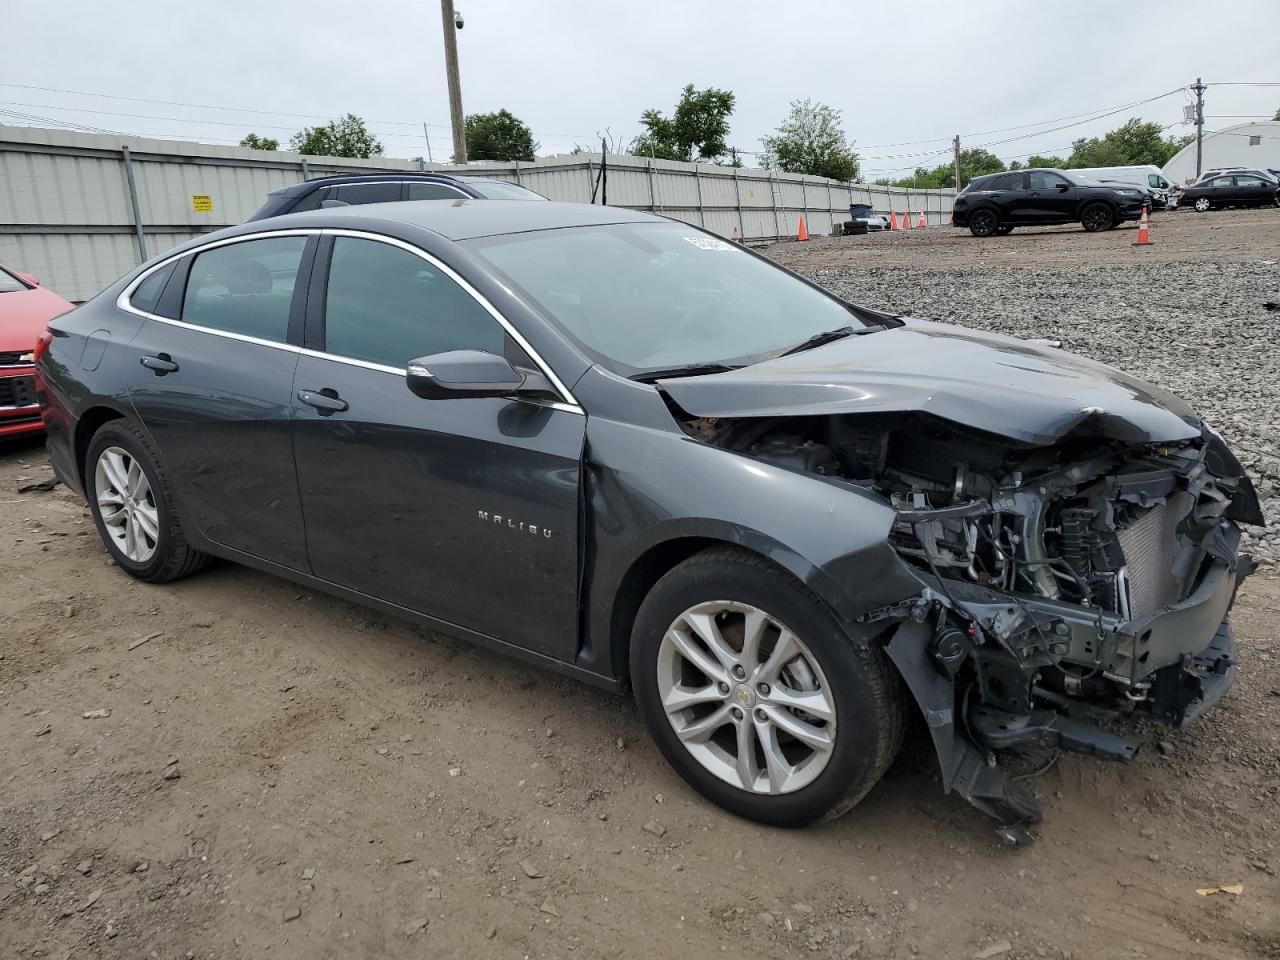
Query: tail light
42, 345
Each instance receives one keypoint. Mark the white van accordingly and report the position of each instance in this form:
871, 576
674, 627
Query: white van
1145, 177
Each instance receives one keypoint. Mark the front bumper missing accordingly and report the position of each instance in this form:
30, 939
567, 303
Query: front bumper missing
1185, 654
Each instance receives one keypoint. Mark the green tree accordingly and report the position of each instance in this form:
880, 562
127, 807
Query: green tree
1277, 116
498, 136
974, 162
1038, 161
255, 142
697, 129
811, 140
1136, 142
345, 137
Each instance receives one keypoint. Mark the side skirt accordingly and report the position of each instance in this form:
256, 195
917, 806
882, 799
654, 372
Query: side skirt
404, 613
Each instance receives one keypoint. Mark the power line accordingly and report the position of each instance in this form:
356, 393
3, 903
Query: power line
209, 106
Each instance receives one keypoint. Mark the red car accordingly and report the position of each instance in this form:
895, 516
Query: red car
25, 311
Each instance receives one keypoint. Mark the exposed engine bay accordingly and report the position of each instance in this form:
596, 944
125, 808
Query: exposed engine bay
1063, 585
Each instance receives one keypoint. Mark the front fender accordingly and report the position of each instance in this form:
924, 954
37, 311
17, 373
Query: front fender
644, 487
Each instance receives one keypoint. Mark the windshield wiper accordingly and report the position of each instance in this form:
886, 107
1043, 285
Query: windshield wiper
687, 370
818, 339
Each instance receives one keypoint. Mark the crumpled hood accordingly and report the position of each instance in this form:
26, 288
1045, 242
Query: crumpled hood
999, 384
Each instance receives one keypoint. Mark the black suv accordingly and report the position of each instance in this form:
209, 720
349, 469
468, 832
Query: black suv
995, 204
386, 188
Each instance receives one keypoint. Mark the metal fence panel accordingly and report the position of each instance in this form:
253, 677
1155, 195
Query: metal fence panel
66, 211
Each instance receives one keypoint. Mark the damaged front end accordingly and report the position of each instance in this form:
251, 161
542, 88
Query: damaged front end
1063, 584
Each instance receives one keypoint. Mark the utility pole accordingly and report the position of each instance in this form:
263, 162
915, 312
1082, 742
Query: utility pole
427, 133
451, 25
1198, 88
956, 144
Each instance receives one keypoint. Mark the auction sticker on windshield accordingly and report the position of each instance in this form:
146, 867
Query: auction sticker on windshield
708, 243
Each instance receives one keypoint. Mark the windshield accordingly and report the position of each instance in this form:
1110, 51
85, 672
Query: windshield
651, 296
10, 284
500, 190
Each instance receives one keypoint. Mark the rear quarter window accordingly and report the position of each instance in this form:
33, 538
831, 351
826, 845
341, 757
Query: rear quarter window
147, 293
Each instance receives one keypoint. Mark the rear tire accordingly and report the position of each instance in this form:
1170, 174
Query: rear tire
719, 690
1203, 204
1097, 217
132, 506
983, 223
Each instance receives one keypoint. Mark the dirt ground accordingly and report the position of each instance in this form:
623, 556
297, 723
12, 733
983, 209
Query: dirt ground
283, 774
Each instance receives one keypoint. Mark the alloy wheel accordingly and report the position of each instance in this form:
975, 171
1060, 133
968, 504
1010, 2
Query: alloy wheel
746, 697
1202, 204
126, 504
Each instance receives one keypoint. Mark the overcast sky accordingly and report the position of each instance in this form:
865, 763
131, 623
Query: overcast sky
572, 69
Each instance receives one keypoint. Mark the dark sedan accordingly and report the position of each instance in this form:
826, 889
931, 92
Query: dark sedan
997, 204
1231, 190
626, 449
356, 189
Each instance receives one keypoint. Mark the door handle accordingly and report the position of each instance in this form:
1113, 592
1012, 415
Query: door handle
159, 364
326, 401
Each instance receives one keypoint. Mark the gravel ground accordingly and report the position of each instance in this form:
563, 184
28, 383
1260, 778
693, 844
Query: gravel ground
1196, 327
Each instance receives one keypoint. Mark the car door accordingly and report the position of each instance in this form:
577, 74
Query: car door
1050, 198
465, 510
1011, 198
213, 387
1252, 190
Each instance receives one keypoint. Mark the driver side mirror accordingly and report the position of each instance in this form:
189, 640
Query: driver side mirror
469, 373
1064, 187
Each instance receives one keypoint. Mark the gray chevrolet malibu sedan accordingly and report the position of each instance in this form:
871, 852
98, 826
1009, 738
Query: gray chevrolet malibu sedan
625, 449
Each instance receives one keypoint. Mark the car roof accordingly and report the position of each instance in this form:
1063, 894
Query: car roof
464, 219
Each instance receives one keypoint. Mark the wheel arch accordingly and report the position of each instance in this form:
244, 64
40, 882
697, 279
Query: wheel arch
89, 423
663, 557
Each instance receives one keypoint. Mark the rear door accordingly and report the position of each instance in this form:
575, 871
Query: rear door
213, 384
1012, 198
465, 510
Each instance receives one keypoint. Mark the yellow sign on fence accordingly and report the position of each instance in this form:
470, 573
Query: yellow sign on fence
202, 203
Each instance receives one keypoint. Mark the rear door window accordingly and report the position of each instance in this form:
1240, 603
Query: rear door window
357, 193
245, 288
312, 200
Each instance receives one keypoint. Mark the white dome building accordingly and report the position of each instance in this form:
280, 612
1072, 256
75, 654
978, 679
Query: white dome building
1253, 145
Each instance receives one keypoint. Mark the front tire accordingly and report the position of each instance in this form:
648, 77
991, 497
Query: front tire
1097, 217
756, 695
983, 223
132, 506
1202, 204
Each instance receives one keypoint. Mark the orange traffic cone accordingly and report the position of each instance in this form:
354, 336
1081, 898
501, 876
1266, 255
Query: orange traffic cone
893, 220
803, 232
923, 222
906, 220
1144, 231
735, 238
